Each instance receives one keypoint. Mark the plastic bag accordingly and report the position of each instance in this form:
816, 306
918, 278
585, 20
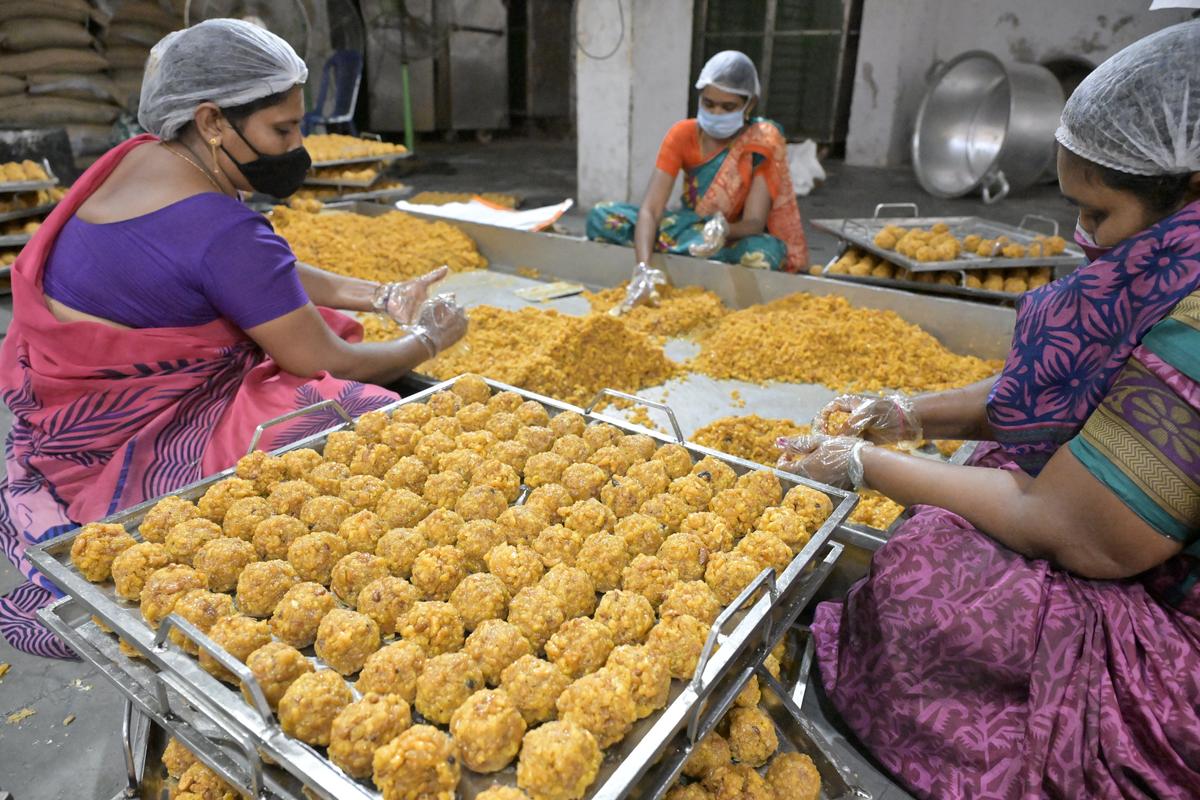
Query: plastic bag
887, 419
402, 301
440, 322
832, 460
642, 290
716, 232
805, 169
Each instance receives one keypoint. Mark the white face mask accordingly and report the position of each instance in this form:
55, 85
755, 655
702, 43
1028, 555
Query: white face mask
1087, 243
721, 126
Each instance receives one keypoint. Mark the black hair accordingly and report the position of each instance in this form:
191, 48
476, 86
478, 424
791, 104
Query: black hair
1160, 194
239, 114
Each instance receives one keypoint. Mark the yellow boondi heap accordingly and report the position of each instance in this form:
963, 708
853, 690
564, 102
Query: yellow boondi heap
803, 338
799, 338
751, 437
875, 511
680, 312
389, 247
570, 358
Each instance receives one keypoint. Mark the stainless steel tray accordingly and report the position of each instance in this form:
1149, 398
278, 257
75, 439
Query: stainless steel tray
346, 162
153, 693
15, 240
738, 632
862, 231
18, 187
149, 694
373, 196
961, 290
339, 183
26, 213
804, 700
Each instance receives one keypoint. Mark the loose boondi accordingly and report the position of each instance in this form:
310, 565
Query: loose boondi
390, 247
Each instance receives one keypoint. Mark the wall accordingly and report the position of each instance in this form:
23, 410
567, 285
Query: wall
627, 101
902, 39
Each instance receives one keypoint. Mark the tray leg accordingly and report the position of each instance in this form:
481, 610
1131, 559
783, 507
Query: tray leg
134, 740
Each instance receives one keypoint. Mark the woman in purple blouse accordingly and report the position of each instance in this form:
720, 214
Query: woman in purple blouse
158, 321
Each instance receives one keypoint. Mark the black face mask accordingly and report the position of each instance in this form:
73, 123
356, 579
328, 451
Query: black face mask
277, 176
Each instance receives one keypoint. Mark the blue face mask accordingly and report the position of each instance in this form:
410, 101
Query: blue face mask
720, 126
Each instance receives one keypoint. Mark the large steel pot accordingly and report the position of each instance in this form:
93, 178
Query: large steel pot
986, 125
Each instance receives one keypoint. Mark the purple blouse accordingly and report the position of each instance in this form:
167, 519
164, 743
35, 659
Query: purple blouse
189, 263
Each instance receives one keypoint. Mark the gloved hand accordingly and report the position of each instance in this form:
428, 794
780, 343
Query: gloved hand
402, 300
440, 322
832, 460
716, 231
886, 419
642, 290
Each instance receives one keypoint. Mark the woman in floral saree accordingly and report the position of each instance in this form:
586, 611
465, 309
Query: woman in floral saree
157, 321
1033, 628
738, 203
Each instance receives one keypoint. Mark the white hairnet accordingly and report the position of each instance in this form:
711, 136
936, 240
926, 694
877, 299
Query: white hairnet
1139, 111
226, 61
730, 71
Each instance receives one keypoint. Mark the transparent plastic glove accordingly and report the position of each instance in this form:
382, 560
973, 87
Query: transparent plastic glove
402, 300
440, 322
832, 460
716, 231
886, 419
642, 290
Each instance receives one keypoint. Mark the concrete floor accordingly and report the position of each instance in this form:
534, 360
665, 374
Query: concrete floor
41, 759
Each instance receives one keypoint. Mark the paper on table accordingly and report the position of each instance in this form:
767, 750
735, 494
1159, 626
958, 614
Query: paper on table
476, 210
549, 291
1157, 4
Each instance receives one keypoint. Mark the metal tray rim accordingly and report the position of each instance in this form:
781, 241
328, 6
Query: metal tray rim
339, 182
15, 240
26, 213
342, 162
931, 288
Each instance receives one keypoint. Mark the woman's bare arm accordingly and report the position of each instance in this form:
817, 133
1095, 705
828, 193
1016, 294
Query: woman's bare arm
658, 192
957, 413
335, 291
1063, 515
754, 212
302, 344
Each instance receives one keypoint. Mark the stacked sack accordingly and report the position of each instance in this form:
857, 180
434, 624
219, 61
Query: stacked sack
135, 27
51, 72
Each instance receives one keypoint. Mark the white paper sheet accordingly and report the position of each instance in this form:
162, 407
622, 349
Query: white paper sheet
531, 219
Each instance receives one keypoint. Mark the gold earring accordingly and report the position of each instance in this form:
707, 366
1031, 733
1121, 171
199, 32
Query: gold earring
212, 143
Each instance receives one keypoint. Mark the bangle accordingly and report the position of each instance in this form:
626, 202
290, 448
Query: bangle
380, 297
426, 341
857, 471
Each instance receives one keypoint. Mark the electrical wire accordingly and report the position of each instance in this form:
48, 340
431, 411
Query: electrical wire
620, 37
